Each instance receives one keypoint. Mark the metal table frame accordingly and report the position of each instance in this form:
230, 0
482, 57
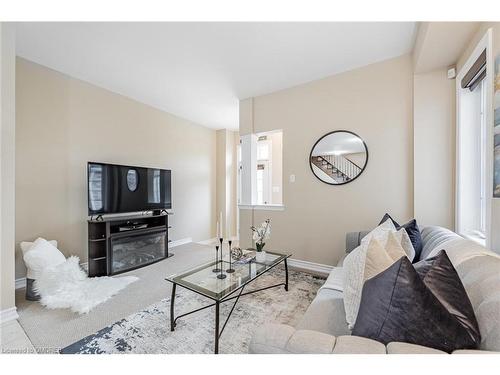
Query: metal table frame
229, 297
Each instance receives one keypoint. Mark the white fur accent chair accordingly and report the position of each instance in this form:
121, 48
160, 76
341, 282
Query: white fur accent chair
37, 255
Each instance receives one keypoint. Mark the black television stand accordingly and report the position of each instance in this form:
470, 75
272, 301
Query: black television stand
121, 244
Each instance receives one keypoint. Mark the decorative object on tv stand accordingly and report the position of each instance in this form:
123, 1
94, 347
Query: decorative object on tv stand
338, 157
261, 233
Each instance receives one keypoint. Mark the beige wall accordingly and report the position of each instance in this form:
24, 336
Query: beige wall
438, 46
62, 123
434, 148
375, 102
434, 112
435, 107
7, 165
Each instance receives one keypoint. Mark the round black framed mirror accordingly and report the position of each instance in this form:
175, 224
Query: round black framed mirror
338, 157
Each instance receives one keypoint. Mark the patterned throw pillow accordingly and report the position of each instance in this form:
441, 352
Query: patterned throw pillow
366, 261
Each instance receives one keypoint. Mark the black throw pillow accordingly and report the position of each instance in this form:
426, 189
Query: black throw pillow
396, 305
413, 231
439, 275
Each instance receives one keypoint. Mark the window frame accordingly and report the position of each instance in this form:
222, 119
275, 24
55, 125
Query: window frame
247, 182
484, 44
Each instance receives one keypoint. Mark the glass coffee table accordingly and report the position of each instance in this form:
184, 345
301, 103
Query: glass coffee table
203, 280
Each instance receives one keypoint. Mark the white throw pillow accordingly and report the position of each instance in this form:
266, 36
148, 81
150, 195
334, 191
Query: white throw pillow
41, 255
27, 245
377, 259
393, 247
380, 233
404, 240
365, 262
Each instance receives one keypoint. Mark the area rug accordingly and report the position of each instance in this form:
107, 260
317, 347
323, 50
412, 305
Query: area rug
148, 331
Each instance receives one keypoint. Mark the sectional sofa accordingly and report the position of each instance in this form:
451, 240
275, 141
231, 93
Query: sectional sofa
323, 329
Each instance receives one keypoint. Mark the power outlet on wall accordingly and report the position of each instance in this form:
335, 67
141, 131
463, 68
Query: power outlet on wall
292, 178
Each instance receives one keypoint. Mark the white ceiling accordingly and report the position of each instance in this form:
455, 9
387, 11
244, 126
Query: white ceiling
199, 71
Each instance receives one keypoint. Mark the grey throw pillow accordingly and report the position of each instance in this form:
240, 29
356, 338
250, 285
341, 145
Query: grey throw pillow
397, 305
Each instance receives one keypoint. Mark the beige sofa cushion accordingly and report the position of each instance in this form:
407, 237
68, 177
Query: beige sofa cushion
405, 348
311, 342
481, 278
358, 345
326, 314
271, 339
460, 250
470, 351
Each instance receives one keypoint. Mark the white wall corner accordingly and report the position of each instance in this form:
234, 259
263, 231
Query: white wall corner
248, 169
7, 168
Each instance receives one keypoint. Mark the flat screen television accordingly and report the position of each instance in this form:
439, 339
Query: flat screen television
121, 188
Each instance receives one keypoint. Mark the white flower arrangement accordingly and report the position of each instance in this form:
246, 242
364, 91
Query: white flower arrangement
261, 233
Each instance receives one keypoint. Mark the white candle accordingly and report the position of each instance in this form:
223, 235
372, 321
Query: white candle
220, 221
217, 228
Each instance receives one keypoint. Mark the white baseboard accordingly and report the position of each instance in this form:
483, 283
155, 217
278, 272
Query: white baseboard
215, 240
8, 314
182, 241
20, 283
210, 241
318, 268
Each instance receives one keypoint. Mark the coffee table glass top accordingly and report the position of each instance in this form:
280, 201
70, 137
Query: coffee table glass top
204, 281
